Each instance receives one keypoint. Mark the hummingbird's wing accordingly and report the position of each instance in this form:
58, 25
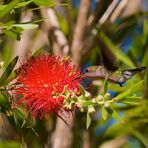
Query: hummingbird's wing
109, 59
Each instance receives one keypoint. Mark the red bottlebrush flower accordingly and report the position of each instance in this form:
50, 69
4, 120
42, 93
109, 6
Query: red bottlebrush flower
42, 81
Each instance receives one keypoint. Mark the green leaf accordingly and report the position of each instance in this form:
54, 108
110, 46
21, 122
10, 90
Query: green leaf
10, 144
145, 59
82, 89
7, 25
2, 7
22, 4
12, 76
15, 117
24, 122
105, 85
20, 27
133, 100
8, 8
137, 87
83, 101
88, 120
140, 137
104, 113
44, 3
4, 101
11, 34
130, 103
47, 3
37, 52
26, 26
145, 28
116, 116
14, 30
8, 71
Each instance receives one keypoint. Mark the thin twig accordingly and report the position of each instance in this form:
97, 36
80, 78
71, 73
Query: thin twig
109, 12
100, 7
118, 10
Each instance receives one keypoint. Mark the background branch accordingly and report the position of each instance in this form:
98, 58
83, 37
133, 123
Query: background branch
56, 37
80, 31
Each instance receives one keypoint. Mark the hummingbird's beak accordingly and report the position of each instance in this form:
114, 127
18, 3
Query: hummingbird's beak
141, 68
79, 77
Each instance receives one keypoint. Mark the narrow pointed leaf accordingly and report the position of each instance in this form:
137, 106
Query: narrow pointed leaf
116, 116
82, 90
104, 113
88, 120
47, 3
130, 102
22, 4
8, 8
26, 26
8, 71
141, 137
105, 85
37, 52
23, 123
15, 117
137, 87
4, 100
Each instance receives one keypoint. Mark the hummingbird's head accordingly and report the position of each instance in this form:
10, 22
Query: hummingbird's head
127, 74
90, 69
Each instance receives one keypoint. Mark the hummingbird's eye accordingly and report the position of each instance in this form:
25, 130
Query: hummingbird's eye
86, 70
126, 73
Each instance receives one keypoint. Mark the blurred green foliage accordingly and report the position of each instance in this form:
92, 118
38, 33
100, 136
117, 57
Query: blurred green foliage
129, 105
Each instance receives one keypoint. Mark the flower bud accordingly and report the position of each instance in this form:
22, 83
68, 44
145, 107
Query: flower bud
107, 96
107, 105
77, 105
87, 94
94, 100
91, 109
100, 98
81, 109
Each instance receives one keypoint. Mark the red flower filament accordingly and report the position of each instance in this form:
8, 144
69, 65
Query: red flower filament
42, 81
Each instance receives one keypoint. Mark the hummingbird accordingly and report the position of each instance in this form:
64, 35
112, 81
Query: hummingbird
109, 67
118, 76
